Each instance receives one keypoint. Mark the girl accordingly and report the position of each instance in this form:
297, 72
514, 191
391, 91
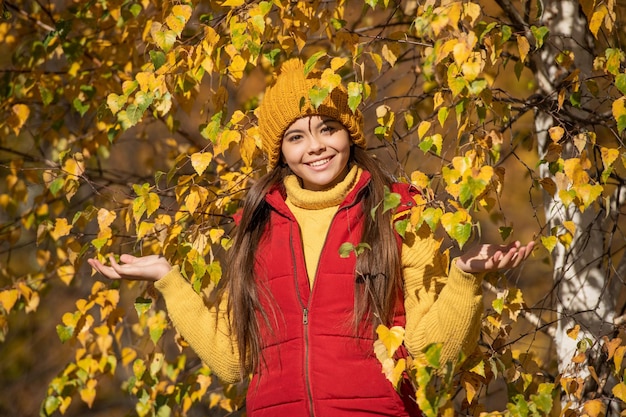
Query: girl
298, 312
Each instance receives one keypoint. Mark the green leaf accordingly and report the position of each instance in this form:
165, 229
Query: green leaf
391, 200
518, 68
345, 249
470, 190
165, 39
51, 404
433, 354
505, 232
158, 59
47, 96
506, 33
354, 95
621, 123
65, 332
312, 61
135, 9
401, 226
477, 86
620, 83
432, 216
317, 96
80, 107
442, 115
498, 305
539, 33
360, 248
543, 399
129, 117
142, 305
457, 85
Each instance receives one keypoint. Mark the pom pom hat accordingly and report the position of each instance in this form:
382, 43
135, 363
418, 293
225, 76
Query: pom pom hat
288, 100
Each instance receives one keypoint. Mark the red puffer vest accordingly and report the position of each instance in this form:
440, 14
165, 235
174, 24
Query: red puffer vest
312, 363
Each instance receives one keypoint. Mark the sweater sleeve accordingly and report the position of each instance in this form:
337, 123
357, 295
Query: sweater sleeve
203, 325
440, 306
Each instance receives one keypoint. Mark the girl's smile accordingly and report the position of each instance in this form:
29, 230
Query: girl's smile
317, 150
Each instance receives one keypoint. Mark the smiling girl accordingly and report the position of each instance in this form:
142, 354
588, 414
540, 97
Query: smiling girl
297, 314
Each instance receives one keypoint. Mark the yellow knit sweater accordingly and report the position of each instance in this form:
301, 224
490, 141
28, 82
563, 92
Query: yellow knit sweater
441, 306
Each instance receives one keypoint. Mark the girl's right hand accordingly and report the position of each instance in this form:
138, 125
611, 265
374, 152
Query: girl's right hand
145, 268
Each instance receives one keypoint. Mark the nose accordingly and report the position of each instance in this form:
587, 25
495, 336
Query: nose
316, 145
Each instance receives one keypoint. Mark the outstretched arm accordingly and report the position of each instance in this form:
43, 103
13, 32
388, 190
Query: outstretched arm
205, 326
446, 305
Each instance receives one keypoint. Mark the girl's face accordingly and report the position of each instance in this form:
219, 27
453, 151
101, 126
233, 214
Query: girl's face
317, 149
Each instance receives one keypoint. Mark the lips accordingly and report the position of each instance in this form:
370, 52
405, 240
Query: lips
319, 162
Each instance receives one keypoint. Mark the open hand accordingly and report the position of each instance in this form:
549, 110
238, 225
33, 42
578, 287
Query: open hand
144, 268
489, 257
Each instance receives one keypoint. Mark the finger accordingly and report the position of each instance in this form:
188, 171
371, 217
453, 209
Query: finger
104, 270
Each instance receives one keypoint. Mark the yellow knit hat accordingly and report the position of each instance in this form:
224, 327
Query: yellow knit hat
288, 100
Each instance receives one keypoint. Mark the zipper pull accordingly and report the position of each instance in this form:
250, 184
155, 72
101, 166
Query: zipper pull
305, 316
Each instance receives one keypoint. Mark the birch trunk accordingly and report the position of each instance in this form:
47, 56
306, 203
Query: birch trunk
584, 291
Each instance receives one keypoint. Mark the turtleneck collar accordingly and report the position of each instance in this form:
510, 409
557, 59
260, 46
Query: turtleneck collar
315, 200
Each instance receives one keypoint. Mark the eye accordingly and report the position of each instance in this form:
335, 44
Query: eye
328, 129
293, 137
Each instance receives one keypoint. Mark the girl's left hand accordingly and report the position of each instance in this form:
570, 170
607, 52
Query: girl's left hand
489, 257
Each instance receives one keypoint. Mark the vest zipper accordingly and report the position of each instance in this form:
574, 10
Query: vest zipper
305, 323
305, 309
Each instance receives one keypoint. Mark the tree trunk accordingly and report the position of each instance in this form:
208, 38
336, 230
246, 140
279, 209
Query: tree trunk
584, 292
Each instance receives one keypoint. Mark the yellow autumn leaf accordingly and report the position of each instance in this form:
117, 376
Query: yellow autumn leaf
570, 226
143, 229
611, 346
437, 100
378, 60
549, 242
178, 18
618, 357
423, 128
200, 161
419, 179
61, 228
330, 79
523, 47
556, 133
573, 332
237, 67
391, 338
233, 3
609, 155
619, 108
20, 113
88, 393
461, 52
594, 408
8, 298
74, 166
619, 391
192, 201
473, 11
66, 274
337, 62
596, 19
216, 235
580, 142
588, 194
390, 52
574, 171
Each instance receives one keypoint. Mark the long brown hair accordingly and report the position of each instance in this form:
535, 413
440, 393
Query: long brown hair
378, 271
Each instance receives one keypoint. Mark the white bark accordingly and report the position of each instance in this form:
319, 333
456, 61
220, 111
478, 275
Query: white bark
584, 293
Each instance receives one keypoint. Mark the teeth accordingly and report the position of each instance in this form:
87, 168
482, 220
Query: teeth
320, 162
